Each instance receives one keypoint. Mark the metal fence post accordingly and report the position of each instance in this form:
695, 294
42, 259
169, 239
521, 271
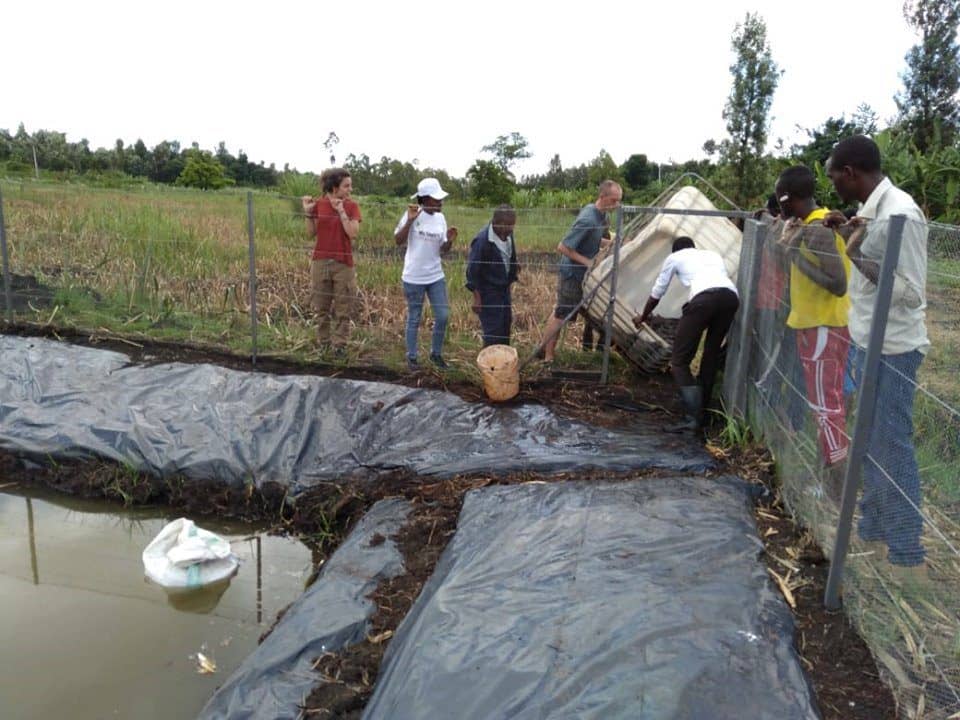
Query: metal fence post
253, 279
865, 407
748, 276
7, 301
608, 320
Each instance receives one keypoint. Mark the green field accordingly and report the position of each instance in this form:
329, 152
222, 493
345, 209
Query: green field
173, 264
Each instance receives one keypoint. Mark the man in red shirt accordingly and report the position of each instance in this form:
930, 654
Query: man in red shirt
334, 219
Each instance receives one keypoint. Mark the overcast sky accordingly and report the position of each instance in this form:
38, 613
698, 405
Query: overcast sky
433, 82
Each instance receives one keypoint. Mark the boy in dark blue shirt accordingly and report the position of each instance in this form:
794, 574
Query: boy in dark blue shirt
491, 269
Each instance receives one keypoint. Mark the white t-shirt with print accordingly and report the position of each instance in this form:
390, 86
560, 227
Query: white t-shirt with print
421, 264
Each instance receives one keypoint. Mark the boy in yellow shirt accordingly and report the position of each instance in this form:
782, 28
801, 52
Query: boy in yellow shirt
819, 305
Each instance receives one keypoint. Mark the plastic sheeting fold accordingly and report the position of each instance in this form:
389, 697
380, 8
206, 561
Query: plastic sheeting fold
593, 600
274, 680
208, 421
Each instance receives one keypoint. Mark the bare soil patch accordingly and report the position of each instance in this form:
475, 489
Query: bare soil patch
838, 662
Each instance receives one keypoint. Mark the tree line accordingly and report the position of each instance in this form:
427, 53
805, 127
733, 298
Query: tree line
921, 146
167, 162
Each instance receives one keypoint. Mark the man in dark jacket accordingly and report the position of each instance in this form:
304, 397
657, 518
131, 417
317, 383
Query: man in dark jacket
491, 269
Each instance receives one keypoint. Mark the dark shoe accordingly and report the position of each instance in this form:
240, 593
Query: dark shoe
439, 362
692, 398
539, 354
412, 364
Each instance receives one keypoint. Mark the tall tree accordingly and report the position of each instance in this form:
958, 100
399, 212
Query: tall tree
119, 156
636, 171
330, 143
507, 149
202, 170
167, 162
865, 118
6, 144
928, 104
488, 183
747, 112
822, 139
603, 167
554, 179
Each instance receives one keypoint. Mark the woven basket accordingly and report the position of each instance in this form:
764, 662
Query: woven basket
500, 369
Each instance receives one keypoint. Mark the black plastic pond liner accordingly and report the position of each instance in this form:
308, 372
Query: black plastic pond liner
644, 599
205, 421
276, 678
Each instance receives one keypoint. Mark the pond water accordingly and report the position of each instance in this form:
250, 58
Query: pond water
83, 634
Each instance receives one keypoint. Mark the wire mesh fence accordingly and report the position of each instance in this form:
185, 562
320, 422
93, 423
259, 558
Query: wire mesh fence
888, 437
172, 265
175, 265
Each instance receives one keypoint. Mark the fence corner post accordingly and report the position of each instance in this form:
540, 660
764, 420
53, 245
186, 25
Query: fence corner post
7, 300
253, 280
865, 407
748, 276
611, 307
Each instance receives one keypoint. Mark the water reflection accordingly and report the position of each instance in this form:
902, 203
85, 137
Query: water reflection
200, 600
79, 609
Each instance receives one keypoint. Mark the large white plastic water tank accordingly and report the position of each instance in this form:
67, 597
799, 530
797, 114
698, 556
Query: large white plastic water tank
641, 259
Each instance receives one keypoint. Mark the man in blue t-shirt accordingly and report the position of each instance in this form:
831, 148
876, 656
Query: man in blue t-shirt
579, 248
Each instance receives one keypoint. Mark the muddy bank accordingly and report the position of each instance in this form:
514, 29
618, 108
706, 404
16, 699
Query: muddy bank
347, 677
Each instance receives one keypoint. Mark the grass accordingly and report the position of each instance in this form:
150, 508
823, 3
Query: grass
173, 264
735, 432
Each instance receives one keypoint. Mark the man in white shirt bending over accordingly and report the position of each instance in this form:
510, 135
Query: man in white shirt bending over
713, 303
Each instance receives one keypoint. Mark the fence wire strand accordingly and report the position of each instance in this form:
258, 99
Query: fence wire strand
909, 493
170, 265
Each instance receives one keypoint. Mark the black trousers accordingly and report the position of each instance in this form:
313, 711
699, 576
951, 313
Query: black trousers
710, 311
496, 315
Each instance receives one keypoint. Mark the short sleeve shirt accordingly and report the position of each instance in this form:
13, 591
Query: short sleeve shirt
421, 263
906, 323
332, 242
584, 237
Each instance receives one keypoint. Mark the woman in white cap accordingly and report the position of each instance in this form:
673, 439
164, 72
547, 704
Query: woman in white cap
423, 229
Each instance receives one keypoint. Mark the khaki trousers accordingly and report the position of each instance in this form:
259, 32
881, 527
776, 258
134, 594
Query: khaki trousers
333, 293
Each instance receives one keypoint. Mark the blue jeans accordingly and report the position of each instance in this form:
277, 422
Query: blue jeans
437, 293
888, 504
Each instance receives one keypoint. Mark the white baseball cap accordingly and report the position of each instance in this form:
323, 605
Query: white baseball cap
430, 187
